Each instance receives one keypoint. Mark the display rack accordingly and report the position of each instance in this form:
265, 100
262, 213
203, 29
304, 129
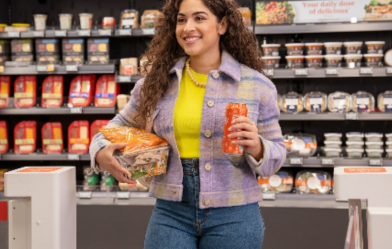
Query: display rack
58, 111
128, 78
327, 162
39, 156
306, 116
39, 69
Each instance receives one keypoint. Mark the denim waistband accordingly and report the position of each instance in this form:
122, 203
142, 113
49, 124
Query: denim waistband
190, 166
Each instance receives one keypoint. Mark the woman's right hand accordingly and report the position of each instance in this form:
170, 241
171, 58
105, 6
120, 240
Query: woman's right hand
106, 161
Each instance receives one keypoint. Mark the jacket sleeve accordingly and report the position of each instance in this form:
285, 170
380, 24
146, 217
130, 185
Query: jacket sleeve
271, 138
126, 117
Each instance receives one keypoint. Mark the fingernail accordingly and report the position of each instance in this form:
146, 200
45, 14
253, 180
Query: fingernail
229, 129
229, 135
233, 142
233, 121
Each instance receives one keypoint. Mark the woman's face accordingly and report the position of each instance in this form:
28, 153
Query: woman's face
198, 31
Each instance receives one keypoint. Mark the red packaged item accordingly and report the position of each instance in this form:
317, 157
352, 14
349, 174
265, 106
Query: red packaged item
233, 111
78, 137
3, 137
96, 125
108, 22
25, 91
25, 134
106, 91
52, 138
5, 86
52, 91
82, 90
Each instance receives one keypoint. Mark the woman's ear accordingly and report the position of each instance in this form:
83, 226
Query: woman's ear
222, 26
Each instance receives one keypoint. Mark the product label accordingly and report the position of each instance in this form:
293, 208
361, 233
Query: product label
3, 141
375, 49
340, 103
353, 50
315, 103
297, 63
295, 51
332, 50
365, 170
314, 50
314, 63
127, 22
104, 95
23, 95
92, 180
271, 51
51, 95
79, 140
24, 141
363, 102
374, 62
39, 169
292, 103
388, 102
52, 141
109, 181
275, 181
79, 95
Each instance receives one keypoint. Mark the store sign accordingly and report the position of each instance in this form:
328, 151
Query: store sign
290, 12
365, 170
39, 169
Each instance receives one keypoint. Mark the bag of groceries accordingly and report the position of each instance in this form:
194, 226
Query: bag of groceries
144, 156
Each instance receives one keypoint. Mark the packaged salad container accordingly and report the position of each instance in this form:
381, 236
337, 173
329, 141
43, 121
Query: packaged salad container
98, 51
298, 144
374, 137
3, 137
333, 60
52, 91
292, 102
271, 61
73, 51
47, 50
339, 102
106, 91
373, 60
353, 60
25, 91
314, 61
354, 153
295, 48
271, 49
22, 50
374, 145
355, 145
374, 153
332, 152
313, 182
355, 136
150, 18
314, 48
375, 47
362, 102
334, 48
5, 89
353, 47
315, 102
78, 137
295, 61
52, 138
25, 134
384, 101
280, 182
333, 144
333, 136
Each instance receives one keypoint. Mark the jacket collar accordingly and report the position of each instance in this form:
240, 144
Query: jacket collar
229, 66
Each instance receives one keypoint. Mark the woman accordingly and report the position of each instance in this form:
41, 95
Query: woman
201, 59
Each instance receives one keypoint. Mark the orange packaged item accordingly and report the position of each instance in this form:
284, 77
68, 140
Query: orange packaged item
78, 137
95, 126
82, 90
52, 138
52, 91
25, 91
25, 134
3, 137
106, 91
145, 154
5, 86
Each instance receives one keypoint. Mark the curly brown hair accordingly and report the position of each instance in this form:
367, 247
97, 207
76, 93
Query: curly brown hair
164, 50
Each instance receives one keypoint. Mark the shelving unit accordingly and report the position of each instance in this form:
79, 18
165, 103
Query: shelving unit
306, 116
326, 162
39, 156
58, 111
40, 69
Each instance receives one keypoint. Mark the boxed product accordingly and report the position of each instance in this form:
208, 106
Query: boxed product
47, 50
3, 137
246, 15
25, 91
280, 182
362, 102
98, 50
78, 137
22, 50
52, 138
150, 19
145, 154
332, 152
315, 102
81, 92
107, 181
91, 180
5, 51
52, 91
333, 136
108, 22
73, 51
300, 144
292, 102
128, 66
384, 101
25, 134
106, 91
95, 126
339, 102
122, 100
2, 172
313, 182
129, 19
5, 88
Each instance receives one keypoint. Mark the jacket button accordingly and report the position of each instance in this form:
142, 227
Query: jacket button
210, 103
207, 133
208, 166
207, 202
215, 75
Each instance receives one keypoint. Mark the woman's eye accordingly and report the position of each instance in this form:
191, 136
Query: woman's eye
199, 18
180, 20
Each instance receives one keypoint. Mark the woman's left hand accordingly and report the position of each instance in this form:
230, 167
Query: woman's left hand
249, 133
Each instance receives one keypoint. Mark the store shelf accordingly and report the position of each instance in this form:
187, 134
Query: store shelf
134, 32
58, 111
44, 157
323, 28
58, 69
306, 116
326, 162
127, 78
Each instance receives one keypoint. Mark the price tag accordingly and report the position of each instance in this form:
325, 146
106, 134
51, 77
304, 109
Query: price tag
13, 34
268, 196
124, 78
60, 33
85, 195
123, 195
327, 161
125, 31
1, 69
76, 110
269, 72
71, 68
38, 33
296, 161
375, 162
84, 32
351, 116
42, 68
73, 157
301, 72
366, 70
331, 71
389, 70
50, 67
105, 32
148, 31
139, 195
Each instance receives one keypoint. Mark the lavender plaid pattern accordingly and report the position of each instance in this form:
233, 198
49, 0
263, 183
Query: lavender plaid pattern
231, 180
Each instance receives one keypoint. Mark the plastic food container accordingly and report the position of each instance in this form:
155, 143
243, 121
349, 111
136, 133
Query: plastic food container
129, 19
315, 102
339, 102
374, 145
78, 137
95, 126
25, 134
355, 136
292, 102
295, 48
295, 61
333, 60
150, 18
270, 49
374, 137
313, 182
314, 48
374, 153
353, 47
98, 51
47, 50
73, 51
52, 91
355, 145
65, 21
280, 182
40, 21
333, 48
271, 61
314, 61
388, 58
333, 144
5, 51
52, 138
388, 136
5, 89
389, 145
107, 182
81, 91
332, 152
333, 136
384, 101
91, 180
128, 66
246, 15
373, 60
354, 153
375, 47
279, 101
300, 144
353, 60
362, 102
25, 91
389, 153
106, 91
86, 20
108, 22
3, 137
22, 50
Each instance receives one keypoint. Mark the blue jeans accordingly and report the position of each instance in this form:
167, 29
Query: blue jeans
182, 225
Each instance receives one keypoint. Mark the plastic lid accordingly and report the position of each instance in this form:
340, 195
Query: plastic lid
339, 44
373, 134
332, 142
375, 150
353, 43
295, 57
332, 150
373, 55
294, 44
314, 56
333, 134
270, 45
355, 134
314, 44
333, 56
270, 58
20, 25
375, 42
388, 134
374, 143
353, 56
354, 142
354, 150
389, 143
